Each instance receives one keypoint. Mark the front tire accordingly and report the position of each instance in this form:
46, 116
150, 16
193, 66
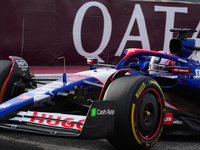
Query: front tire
139, 116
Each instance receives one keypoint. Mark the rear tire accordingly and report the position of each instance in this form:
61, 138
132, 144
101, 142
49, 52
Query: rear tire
15, 85
139, 116
5, 66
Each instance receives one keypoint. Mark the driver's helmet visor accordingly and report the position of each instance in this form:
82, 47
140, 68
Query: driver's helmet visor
158, 64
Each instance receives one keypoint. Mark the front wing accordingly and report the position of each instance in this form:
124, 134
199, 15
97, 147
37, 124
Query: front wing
98, 123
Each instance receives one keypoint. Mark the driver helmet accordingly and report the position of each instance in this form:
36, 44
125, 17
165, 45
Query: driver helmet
158, 64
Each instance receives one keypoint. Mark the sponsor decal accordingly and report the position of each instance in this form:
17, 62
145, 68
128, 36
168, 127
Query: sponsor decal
22, 64
52, 119
180, 70
76, 77
93, 112
177, 122
168, 119
24, 96
61, 120
101, 112
197, 73
140, 90
137, 15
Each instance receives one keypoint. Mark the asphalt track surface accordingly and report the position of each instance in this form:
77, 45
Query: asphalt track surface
13, 140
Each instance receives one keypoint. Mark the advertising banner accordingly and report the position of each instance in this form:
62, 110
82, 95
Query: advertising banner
40, 31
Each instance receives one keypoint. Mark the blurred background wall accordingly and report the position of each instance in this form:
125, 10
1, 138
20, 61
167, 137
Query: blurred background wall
40, 31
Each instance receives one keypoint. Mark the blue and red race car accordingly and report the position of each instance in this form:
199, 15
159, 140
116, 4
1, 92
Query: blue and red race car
130, 104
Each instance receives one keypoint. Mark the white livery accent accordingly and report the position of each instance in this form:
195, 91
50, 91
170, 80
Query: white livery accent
51, 119
101, 74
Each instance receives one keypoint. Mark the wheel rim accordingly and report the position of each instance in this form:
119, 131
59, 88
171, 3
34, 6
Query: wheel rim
146, 114
149, 114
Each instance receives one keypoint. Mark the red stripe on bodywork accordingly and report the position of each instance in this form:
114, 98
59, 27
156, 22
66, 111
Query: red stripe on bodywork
173, 106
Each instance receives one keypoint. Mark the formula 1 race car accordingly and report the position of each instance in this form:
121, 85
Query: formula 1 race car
129, 104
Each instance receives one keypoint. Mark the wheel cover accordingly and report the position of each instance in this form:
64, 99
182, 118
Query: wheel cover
149, 114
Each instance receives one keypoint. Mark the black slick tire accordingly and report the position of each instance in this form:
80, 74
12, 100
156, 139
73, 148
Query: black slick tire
139, 116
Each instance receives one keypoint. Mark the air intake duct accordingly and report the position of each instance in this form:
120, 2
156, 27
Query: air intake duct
184, 48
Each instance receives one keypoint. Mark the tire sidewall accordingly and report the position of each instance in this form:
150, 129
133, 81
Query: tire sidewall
148, 85
127, 97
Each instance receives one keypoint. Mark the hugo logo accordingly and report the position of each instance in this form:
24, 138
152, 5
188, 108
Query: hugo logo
60, 121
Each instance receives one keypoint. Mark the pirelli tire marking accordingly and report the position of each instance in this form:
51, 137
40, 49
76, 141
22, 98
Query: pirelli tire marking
140, 92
